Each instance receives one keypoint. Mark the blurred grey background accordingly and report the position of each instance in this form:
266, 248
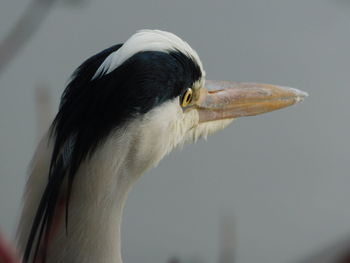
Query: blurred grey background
283, 177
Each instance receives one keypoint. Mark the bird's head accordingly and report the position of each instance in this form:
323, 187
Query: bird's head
153, 88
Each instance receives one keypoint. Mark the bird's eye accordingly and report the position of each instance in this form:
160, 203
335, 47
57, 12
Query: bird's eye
187, 97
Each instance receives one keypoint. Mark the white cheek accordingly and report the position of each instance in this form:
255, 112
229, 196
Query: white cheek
182, 126
166, 127
161, 130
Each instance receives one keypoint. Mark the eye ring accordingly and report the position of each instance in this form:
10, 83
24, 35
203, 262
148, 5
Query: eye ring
187, 97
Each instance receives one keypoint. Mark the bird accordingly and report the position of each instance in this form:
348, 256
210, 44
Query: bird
121, 112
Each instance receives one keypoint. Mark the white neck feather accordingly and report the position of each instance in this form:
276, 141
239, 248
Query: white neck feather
98, 195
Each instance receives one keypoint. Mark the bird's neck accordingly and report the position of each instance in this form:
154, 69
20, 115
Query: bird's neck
94, 223
95, 215
100, 187
97, 199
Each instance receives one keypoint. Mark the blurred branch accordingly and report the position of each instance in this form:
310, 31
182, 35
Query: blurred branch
44, 106
23, 30
227, 239
174, 260
338, 252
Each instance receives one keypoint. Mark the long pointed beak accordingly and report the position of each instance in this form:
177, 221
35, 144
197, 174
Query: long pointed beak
225, 100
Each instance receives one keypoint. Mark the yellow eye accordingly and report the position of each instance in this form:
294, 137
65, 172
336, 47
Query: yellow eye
187, 97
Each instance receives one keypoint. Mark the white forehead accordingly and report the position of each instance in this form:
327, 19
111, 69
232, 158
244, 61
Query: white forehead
146, 40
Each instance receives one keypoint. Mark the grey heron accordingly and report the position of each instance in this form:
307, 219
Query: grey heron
122, 111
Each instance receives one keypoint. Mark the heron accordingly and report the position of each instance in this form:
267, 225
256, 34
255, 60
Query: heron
122, 111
